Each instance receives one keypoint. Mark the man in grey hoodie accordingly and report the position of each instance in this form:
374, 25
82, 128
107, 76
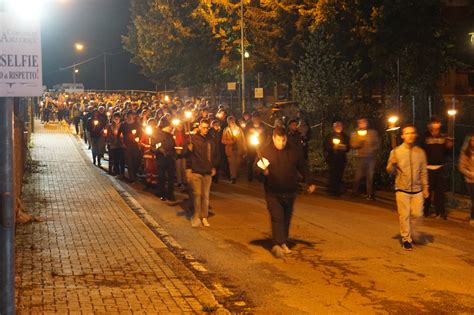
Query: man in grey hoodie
411, 181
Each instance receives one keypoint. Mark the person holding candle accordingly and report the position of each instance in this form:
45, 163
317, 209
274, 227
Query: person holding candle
116, 147
235, 146
278, 166
202, 155
466, 167
179, 136
254, 128
130, 132
164, 148
409, 163
95, 127
437, 147
215, 133
366, 142
335, 146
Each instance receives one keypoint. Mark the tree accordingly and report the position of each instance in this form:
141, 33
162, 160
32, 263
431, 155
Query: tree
172, 44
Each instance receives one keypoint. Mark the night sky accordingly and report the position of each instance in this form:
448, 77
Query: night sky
98, 24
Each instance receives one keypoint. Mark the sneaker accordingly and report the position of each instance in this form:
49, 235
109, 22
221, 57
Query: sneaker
407, 245
370, 197
205, 222
195, 222
278, 251
286, 250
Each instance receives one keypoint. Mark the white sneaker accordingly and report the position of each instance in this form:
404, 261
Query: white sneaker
278, 252
195, 222
286, 250
205, 222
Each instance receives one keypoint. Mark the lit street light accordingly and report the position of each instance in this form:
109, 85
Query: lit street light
79, 46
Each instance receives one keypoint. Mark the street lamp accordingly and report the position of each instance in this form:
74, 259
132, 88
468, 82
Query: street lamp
79, 46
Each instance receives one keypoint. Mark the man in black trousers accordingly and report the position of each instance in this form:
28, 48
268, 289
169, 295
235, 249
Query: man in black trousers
278, 165
166, 160
437, 147
335, 146
130, 132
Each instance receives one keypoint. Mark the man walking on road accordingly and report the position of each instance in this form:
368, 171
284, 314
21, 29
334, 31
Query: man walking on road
203, 156
411, 182
437, 147
279, 164
367, 142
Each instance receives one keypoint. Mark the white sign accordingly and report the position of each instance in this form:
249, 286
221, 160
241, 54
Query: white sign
20, 56
258, 92
231, 86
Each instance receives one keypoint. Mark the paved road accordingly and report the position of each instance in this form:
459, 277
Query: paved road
347, 255
92, 254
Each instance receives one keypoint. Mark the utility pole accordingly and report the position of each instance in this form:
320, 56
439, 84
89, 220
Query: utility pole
242, 54
7, 211
105, 71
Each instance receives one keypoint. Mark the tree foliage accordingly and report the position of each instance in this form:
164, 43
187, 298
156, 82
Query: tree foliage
171, 43
354, 48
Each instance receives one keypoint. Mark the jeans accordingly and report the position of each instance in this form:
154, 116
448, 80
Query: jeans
336, 172
437, 187
166, 173
410, 206
117, 161
234, 163
281, 211
471, 192
181, 170
365, 168
201, 185
132, 159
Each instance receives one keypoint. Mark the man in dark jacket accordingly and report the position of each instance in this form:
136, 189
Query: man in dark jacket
336, 145
437, 146
95, 127
203, 156
130, 131
166, 160
216, 135
279, 163
254, 128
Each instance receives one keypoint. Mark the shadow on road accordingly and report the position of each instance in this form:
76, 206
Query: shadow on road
267, 243
420, 238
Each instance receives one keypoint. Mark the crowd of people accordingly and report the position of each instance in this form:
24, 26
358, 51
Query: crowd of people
189, 145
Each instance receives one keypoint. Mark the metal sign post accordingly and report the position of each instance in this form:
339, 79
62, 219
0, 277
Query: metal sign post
20, 76
7, 211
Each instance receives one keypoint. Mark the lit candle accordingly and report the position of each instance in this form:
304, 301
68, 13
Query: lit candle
96, 122
176, 122
105, 131
188, 114
254, 139
137, 139
148, 130
242, 125
336, 141
134, 132
235, 132
362, 133
158, 145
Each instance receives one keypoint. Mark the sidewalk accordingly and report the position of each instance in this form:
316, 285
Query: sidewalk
92, 254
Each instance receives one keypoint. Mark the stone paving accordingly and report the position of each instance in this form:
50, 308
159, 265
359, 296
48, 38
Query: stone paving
92, 254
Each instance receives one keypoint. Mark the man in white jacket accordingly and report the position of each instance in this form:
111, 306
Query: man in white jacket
411, 182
